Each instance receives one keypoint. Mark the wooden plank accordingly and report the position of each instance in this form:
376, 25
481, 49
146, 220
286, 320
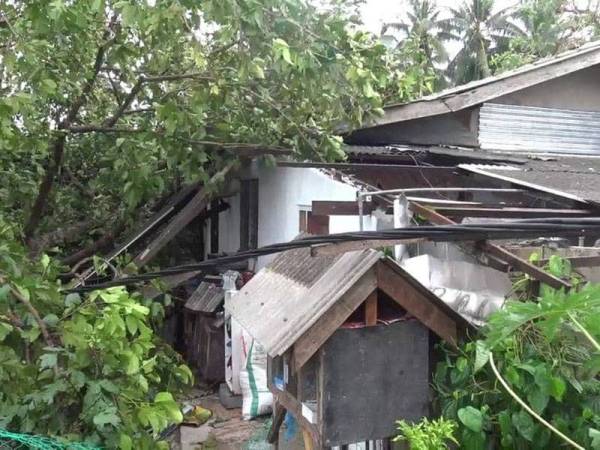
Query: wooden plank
182, 218
333, 318
290, 403
497, 251
340, 208
525, 266
416, 304
371, 309
452, 211
343, 247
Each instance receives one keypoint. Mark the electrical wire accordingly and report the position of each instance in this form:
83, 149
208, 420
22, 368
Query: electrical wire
519, 228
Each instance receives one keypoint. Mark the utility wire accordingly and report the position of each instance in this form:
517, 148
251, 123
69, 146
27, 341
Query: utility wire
521, 228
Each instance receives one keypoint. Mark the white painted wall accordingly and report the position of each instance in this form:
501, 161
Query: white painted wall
282, 193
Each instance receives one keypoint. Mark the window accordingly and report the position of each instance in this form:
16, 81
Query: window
310, 223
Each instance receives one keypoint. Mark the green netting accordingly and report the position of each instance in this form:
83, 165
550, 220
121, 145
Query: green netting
20, 441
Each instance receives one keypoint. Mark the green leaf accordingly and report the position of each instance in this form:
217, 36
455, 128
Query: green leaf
472, 418
48, 360
173, 412
557, 388
72, 299
538, 400
45, 261
132, 363
162, 397
595, 437
482, 356
5, 330
125, 442
524, 424
107, 417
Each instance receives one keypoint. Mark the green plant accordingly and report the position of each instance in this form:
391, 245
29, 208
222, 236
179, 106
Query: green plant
545, 357
85, 368
427, 435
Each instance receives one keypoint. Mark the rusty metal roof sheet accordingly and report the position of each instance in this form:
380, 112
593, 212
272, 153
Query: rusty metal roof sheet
206, 298
286, 298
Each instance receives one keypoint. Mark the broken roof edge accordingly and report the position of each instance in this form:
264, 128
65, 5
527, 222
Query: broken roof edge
538, 187
479, 91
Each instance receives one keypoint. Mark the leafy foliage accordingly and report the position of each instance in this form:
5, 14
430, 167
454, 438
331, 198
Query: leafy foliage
111, 103
422, 40
83, 368
481, 31
427, 435
542, 30
548, 352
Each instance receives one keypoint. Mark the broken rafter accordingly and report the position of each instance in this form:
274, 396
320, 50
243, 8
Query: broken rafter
182, 218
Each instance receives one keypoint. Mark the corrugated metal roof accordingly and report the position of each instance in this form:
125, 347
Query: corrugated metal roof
575, 177
206, 298
286, 298
530, 129
480, 91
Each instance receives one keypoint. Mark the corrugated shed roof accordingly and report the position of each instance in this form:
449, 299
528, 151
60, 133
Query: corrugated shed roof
286, 298
206, 298
577, 177
480, 91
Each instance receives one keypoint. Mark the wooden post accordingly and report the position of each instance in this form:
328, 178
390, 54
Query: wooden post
371, 309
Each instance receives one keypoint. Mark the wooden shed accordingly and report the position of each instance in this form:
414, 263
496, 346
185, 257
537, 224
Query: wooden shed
204, 332
350, 342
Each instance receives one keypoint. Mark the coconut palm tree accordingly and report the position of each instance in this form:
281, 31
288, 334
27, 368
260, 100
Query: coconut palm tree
481, 32
422, 30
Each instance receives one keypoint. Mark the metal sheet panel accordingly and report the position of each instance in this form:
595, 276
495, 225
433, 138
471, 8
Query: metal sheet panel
530, 129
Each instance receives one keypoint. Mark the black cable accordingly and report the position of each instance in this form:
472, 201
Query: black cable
520, 228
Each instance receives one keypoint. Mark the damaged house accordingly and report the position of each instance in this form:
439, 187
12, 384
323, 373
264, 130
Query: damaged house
340, 322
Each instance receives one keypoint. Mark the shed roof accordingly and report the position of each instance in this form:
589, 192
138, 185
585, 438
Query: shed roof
480, 91
284, 299
206, 298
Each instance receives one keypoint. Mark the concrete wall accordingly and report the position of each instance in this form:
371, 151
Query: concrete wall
578, 91
282, 193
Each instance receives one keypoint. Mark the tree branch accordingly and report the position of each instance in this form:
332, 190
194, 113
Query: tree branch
35, 314
57, 145
137, 87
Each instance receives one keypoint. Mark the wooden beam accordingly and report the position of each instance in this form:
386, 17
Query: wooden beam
525, 266
293, 405
339, 208
416, 304
497, 251
344, 247
451, 211
312, 339
182, 218
371, 309
278, 417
